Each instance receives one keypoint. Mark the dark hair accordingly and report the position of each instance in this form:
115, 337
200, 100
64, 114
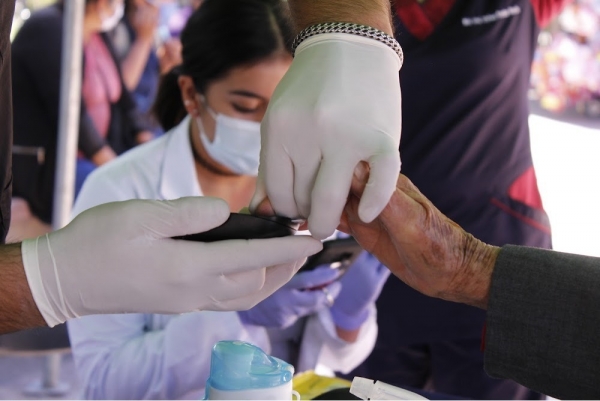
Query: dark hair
219, 36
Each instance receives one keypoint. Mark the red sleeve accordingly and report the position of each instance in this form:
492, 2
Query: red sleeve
546, 10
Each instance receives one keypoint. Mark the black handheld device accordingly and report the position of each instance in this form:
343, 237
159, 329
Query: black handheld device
246, 226
338, 253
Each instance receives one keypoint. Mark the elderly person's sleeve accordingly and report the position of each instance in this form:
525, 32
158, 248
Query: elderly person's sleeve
543, 325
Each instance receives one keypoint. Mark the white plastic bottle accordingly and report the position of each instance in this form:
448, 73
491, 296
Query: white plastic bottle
368, 389
242, 371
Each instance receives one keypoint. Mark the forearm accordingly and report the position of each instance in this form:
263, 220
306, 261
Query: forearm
18, 310
135, 62
375, 13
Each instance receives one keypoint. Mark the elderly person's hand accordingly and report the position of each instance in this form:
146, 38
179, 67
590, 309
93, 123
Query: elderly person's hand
421, 246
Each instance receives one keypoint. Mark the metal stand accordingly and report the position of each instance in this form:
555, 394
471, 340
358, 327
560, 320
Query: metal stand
50, 384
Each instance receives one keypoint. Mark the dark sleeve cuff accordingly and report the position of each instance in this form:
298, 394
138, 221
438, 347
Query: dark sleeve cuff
543, 328
90, 141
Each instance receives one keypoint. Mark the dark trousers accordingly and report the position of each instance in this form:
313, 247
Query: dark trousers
447, 369
433, 345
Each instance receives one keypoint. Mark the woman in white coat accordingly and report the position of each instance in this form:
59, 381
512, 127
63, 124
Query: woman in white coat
234, 54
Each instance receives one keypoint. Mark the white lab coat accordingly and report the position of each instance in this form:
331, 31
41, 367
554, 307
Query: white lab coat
135, 356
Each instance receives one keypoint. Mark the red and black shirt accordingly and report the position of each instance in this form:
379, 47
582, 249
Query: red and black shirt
465, 136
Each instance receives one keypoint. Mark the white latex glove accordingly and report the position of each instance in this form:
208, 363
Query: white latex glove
119, 257
338, 104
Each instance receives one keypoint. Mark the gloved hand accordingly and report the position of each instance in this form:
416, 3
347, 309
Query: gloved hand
338, 104
361, 285
119, 257
293, 300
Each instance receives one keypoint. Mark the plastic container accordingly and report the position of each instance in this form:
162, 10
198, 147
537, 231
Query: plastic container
242, 371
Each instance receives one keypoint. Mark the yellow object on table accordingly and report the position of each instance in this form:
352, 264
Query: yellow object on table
310, 385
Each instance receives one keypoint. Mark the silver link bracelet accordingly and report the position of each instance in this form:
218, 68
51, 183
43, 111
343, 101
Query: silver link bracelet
353, 29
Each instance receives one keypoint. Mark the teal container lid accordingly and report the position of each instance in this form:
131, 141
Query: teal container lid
237, 365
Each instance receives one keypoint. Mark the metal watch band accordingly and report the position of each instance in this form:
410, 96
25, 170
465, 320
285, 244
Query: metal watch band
353, 29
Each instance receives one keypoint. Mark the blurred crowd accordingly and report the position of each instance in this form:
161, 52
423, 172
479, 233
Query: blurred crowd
566, 67
128, 46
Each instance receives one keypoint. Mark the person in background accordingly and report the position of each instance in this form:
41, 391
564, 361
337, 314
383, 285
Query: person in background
133, 39
471, 157
234, 54
109, 123
135, 42
68, 273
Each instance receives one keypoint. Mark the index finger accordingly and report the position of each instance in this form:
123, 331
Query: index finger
330, 194
234, 256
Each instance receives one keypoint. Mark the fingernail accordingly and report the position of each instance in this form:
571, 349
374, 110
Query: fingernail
360, 172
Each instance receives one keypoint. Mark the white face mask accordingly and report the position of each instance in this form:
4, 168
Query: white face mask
236, 144
109, 23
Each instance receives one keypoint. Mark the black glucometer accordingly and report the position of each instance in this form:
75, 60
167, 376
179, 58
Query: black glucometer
246, 226
337, 253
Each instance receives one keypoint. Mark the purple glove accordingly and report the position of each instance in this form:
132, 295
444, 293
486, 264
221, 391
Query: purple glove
293, 301
361, 285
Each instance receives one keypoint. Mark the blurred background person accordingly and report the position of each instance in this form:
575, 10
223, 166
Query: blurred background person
147, 45
134, 43
234, 54
109, 122
465, 144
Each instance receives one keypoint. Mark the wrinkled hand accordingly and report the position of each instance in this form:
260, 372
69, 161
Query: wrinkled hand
293, 300
421, 246
361, 286
119, 257
338, 104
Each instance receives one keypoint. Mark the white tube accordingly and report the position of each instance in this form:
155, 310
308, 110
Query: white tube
70, 103
367, 389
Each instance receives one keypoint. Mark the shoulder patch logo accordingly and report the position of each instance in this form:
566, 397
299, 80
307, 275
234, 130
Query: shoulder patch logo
489, 18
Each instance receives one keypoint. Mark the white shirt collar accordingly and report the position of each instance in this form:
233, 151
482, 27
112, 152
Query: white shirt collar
178, 174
